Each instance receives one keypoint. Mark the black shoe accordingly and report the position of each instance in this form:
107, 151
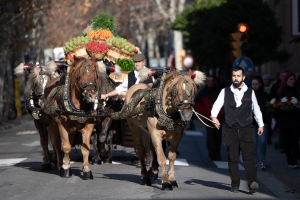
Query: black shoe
234, 189
253, 187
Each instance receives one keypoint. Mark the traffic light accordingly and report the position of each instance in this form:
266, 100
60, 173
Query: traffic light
243, 31
239, 40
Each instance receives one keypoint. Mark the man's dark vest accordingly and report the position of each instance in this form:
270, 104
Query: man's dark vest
132, 79
243, 114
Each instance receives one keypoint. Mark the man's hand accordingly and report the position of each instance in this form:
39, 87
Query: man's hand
103, 96
260, 131
216, 122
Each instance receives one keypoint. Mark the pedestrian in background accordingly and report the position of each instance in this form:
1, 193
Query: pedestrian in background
273, 93
260, 142
239, 103
267, 79
288, 121
203, 104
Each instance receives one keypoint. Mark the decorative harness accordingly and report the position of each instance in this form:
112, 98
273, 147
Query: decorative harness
66, 104
153, 99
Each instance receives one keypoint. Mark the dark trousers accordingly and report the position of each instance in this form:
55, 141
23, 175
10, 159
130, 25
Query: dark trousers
240, 140
213, 142
291, 144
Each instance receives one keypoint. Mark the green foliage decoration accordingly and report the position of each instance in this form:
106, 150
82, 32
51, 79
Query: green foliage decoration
104, 21
207, 24
125, 64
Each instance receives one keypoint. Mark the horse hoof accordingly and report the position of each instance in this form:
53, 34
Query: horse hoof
46, 167
152, 175
146, 181
167, 186
174, 183
87, 175
66, 173
96, 162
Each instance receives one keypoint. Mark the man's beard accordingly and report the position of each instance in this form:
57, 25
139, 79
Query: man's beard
237, 84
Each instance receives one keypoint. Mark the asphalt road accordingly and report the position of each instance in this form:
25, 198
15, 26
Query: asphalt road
197, 176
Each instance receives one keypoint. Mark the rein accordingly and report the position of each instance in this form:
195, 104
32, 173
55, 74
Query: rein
199, 115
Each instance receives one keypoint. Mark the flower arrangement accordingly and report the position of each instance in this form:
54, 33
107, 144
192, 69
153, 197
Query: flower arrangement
285, 104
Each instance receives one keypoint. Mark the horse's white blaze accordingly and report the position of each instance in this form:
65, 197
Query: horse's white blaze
44, 77
184, 86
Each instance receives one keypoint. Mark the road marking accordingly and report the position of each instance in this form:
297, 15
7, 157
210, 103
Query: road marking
178, 162
10, 161
193, 133
224, 165
27, 132
35, 143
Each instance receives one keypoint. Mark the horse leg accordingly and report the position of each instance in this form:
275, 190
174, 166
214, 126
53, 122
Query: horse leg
146, 143
42, 129
96, 160
65, 170
103, 138
172, 156
110, 146
140, 151
161, 159
85, 150
55, 141
153, 171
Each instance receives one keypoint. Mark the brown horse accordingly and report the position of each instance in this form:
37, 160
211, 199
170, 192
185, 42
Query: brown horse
70, 101
173, 102
34, 102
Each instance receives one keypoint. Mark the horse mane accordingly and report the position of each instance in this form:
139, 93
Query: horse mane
34, 77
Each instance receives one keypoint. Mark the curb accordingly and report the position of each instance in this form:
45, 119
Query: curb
286, 180
15, 122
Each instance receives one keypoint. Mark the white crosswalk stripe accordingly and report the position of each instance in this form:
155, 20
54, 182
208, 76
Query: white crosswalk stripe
10, 161
178, 162
224, 165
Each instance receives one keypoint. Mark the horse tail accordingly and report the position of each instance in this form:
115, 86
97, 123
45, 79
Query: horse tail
19, 70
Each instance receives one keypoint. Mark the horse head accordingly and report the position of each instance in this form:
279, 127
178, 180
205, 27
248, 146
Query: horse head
38, 77
180, 91
85, 78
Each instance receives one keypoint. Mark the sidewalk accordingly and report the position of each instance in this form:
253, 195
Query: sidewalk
276, 161
15, 122
277, 164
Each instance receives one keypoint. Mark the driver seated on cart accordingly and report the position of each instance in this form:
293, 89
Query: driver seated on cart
131, 79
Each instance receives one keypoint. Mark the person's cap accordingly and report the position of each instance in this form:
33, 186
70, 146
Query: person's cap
138, 57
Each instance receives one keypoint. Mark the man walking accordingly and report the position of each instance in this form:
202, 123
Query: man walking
239, 103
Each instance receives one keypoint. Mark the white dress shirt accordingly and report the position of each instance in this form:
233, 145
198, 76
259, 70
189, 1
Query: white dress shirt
255, 107
123, 87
